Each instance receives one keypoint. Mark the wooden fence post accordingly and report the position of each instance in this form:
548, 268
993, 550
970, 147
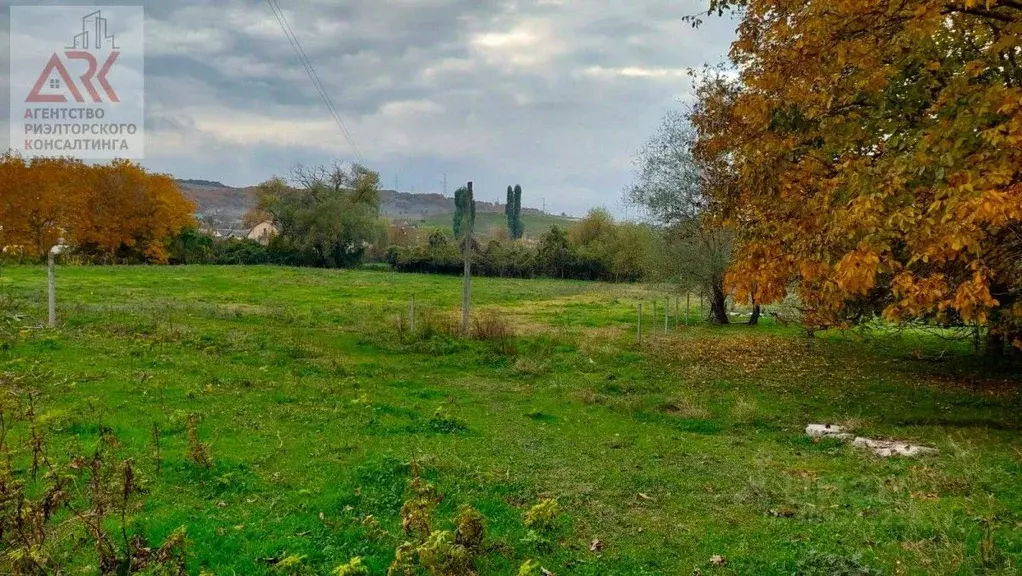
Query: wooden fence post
51, 290
638, 333
469, 223
411, 314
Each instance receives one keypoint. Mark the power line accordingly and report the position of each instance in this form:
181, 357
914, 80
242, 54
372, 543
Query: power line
310, 70
296, 44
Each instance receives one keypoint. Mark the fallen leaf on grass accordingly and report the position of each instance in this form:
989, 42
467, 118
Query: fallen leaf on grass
596, 545
718, 560
545, 572
644, 496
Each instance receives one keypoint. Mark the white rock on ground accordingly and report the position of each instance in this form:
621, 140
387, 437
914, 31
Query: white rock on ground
827, 431
883, 448
887, 448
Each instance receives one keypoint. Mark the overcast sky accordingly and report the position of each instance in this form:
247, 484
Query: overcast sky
556, 95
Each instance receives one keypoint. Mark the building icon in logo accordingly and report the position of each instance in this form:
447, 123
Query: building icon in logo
94, 34
56, 75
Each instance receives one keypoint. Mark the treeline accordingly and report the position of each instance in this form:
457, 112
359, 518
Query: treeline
595, 248
107, 212
325, 218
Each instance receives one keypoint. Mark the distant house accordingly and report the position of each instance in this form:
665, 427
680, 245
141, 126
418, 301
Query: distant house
209, 231
263, 232
232, 234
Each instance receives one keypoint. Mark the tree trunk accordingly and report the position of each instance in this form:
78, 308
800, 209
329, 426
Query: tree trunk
756, 311
718, 302
995, 344
754, 318
466, 297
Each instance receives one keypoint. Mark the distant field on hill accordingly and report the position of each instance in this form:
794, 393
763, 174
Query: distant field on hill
535, 224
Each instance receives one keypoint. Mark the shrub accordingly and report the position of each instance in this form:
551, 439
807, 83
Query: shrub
89, 495
440, 555
529, 568
444, 423
493, 327
543, 515
353, 568
440, 552
470, 530
198, 451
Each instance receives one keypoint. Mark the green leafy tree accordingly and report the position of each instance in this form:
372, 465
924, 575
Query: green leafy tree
673, 189
325, 217
554, 252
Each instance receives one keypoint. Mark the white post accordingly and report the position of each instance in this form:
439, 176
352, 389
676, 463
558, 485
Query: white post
51, 284
52, 293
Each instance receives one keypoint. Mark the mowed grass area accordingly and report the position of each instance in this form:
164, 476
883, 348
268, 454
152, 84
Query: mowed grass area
687, 447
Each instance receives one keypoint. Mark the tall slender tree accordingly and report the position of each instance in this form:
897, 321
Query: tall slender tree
459, 214
509, 211
519, 226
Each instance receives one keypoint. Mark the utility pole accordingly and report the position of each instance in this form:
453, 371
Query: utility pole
445, 184
468, 211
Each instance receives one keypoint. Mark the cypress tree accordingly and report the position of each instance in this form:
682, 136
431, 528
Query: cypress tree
459, 214
509, 211
519, 226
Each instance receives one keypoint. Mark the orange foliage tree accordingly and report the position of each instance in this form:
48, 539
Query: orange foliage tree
878, 152
100, 209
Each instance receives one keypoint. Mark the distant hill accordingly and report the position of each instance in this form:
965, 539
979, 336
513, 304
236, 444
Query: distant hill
225, 204
228, 206
203, 183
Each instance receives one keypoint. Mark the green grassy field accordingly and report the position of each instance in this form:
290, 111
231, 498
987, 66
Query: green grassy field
535, 224
687, 447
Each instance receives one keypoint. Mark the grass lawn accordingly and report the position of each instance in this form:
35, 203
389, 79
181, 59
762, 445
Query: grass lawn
687, 447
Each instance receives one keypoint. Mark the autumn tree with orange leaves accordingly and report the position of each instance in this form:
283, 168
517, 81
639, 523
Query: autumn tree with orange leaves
108, 211
877, 148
